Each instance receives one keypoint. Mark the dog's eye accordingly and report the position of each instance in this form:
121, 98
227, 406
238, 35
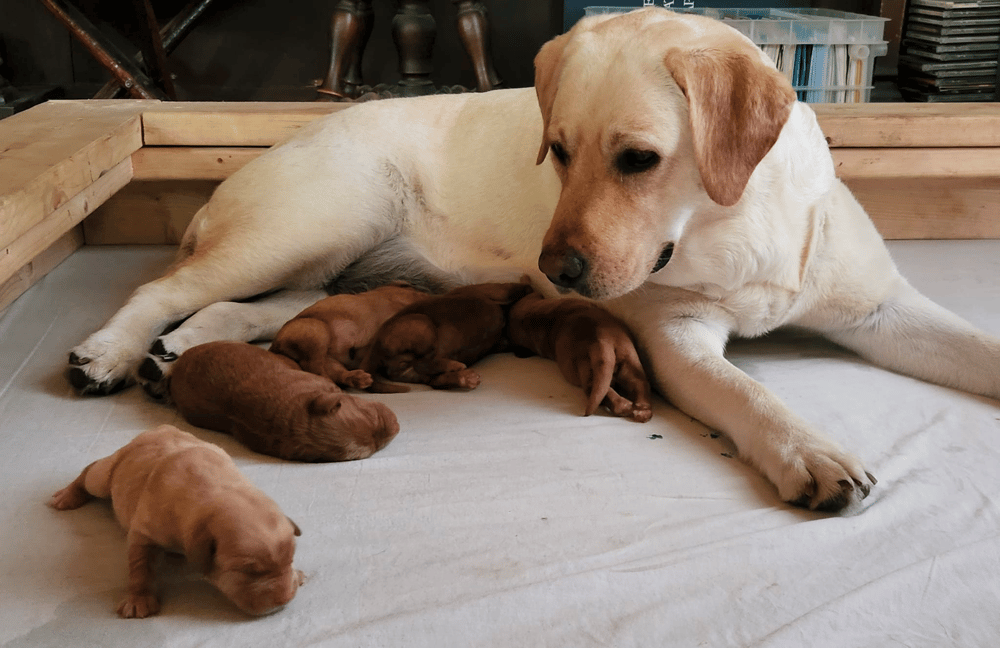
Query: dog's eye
560, 153
636, 161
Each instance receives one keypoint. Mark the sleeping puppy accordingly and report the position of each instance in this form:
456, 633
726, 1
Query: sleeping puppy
332, 337
173, 492
593, 348
271, 406
434, 340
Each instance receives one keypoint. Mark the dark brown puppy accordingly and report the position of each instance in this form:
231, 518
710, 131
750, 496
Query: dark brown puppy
332, 337
271, 406
434, 340
594, 350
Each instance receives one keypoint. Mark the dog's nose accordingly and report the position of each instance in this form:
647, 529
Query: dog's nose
565, 270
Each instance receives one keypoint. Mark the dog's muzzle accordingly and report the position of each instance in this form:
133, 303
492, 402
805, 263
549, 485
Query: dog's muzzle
567, 270
668, 251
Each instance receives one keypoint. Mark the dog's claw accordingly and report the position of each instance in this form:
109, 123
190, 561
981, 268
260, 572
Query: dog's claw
76, 360
85, 386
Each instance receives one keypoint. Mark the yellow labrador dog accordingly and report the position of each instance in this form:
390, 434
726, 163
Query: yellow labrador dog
678, 181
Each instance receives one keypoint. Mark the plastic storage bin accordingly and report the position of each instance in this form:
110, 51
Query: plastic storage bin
827, 55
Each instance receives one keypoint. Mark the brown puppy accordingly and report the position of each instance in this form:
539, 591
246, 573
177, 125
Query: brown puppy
270, 405
434, 340
332, 337
594, 350
174, 492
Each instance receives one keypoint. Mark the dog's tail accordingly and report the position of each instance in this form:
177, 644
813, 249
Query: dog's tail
602, 372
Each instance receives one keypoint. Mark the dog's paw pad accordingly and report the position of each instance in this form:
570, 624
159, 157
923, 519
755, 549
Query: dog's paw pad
640, 414
85, 385
139, 606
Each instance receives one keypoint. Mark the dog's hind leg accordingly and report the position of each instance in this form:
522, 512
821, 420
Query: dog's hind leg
249, 321
911, 334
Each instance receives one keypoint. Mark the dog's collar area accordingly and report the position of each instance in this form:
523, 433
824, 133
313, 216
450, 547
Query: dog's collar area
668, 251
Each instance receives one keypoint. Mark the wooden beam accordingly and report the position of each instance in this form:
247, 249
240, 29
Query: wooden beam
41, 265
228, 124
918, 209
52, 152
190, 163
166, 207
49, 230
899, 125
930, 164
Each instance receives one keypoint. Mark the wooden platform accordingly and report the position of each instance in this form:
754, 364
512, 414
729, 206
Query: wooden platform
126, 171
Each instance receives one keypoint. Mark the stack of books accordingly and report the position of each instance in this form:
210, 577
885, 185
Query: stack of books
950, 50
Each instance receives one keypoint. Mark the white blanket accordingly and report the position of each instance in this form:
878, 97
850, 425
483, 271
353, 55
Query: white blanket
501, 517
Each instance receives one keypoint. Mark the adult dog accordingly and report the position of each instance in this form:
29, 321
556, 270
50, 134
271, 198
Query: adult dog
678, 180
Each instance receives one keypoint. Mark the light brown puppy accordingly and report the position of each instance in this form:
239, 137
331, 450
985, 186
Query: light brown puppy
434, 340
173, 492
593, 348
332, 337
271, 406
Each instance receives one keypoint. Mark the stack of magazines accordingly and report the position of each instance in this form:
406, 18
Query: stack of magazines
950, 50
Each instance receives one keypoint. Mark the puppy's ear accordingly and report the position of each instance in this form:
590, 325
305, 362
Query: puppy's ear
738, 106
325, 404
548, 63
200, 548
296, 530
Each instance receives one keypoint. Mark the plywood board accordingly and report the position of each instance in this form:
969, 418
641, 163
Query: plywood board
929, 164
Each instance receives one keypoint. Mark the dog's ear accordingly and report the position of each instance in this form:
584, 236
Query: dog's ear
548, 63
295, 527
738, 106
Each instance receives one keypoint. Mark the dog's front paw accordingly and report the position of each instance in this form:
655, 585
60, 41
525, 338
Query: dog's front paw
155, 370
819, 475
138, 606
101, 366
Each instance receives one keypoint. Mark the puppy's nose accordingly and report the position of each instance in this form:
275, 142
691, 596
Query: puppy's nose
565, 270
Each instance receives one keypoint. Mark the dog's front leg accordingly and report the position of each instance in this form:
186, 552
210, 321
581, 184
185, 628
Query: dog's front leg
683, 347
140, 599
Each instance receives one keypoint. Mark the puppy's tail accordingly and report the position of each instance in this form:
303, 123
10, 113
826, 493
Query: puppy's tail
602, 372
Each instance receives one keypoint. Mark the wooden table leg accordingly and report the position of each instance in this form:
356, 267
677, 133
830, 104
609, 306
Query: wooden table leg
473, 28
350, 28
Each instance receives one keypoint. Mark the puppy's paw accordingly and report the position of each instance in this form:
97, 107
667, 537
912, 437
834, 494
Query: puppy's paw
640, 413
72, 497
357, 379
467, 379
138, 606
101, 365
821, 476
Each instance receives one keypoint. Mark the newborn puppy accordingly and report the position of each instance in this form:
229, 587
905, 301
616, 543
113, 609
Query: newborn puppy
593, 349
434, 340
332, 337
271, 406
176, 493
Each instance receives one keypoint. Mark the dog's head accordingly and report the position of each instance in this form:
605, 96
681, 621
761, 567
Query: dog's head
246, 551
648, 116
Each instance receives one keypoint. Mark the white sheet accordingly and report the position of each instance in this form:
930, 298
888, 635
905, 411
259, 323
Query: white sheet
500, 517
